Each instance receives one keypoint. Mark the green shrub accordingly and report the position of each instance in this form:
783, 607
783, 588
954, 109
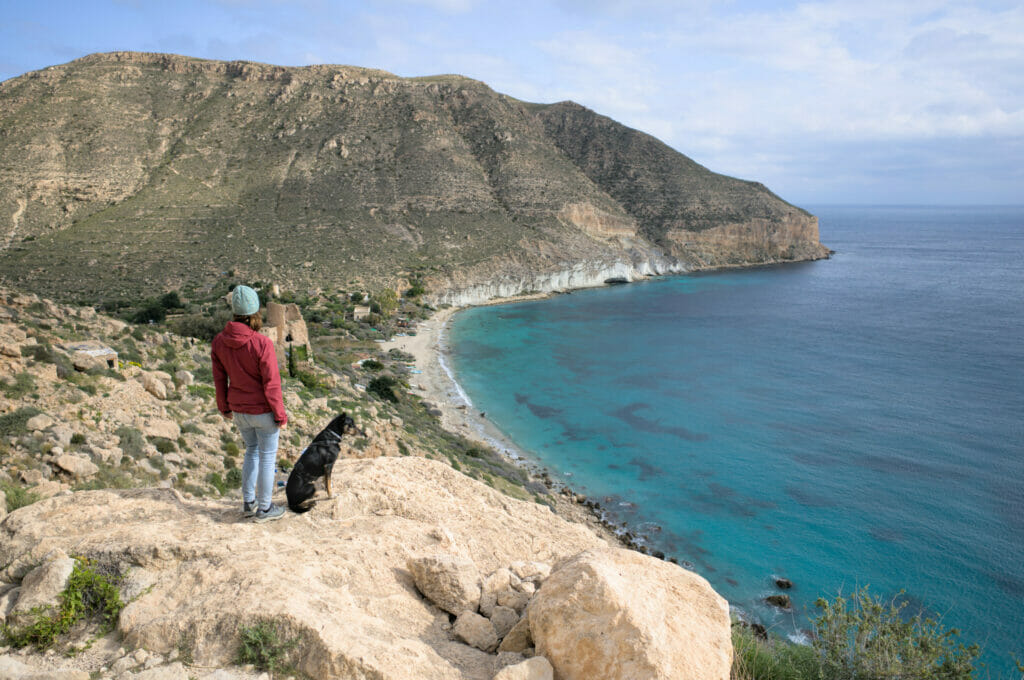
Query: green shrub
265, 646
217, 482
17, 496
13, 424
132, 442
384, 387
372, 365
866, 637
233, 478
771, 659
204, 373
90, 593
313, 383
202, 391
163, 445
78, 438
231, 448
22, 385
190, 428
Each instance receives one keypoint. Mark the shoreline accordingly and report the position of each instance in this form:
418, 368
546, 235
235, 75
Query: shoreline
436, 385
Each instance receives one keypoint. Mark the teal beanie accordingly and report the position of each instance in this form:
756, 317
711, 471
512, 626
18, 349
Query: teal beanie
244, 301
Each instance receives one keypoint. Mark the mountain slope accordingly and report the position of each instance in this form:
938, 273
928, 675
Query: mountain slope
127, 172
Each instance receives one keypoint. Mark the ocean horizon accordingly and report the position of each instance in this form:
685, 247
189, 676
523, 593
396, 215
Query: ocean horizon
840, 423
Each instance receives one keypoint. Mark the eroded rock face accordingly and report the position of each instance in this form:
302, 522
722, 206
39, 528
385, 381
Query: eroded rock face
537, 668
335, 578
615, 614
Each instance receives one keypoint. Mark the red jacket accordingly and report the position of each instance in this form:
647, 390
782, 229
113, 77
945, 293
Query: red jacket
245, 372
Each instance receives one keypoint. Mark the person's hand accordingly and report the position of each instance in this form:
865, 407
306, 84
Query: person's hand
283, 425
226, 416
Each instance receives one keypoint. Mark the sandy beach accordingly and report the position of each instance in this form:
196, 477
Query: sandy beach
435, 385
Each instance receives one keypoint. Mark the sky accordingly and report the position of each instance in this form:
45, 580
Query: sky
842, 101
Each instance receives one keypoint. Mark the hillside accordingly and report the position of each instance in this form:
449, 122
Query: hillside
129, 172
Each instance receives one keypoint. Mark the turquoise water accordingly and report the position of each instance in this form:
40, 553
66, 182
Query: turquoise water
840, 423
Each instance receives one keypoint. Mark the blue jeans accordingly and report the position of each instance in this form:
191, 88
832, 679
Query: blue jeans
259, 432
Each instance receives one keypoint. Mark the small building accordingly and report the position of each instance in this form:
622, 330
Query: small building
360, 312
90, 354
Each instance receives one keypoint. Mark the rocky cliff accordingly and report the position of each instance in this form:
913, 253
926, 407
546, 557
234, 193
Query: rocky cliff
125, 172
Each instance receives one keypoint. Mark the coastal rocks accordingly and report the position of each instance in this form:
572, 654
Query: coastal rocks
780, 601
783, 583
632, 616
449, 581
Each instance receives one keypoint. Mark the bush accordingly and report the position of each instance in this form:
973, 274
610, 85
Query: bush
131, 441
14, 424
17, 496
865, 637
313, 383
163, 445
265, 647
217, 482
372, 365
22, 386
233, 478
384, 387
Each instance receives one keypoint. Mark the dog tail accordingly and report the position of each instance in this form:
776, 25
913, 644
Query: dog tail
300, 508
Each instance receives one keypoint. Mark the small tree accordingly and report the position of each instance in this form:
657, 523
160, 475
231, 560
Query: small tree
387, 300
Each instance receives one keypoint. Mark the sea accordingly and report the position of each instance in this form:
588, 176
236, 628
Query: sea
846, 423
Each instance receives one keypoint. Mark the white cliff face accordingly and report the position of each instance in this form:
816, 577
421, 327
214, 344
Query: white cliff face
586, 274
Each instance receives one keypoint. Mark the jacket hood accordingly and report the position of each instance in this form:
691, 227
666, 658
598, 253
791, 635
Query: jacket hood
236, 334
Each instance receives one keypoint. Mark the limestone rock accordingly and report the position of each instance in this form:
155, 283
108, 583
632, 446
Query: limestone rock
537, 668
449, 581
493, 585
535, 572
62, 434
476, 631
518, 639
184, 377
42, 586
334, 578
7, 599
632, 617
504, 619
161, 427
154, 385
175, 671
39, 422
77, 466
513, 599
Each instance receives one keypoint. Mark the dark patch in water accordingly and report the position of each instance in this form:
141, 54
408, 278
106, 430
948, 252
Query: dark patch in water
628, 415
899, 466
731, 581
539, 410
807, 498
703, 474
1011, 584
614, 466
723, 498
647, 471
886, 534
472, 349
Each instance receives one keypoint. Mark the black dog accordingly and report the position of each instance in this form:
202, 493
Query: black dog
318, 461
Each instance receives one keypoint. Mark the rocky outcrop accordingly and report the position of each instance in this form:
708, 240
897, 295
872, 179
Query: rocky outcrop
335, 580
632, 617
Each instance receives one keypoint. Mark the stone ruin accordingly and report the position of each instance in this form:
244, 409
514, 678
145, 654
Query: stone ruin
285, 327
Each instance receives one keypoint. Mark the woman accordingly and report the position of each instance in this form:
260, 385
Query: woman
249, 392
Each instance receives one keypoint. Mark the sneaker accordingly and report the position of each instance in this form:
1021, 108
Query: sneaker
273, 512
249, 509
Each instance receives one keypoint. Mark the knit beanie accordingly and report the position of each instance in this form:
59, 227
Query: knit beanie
244, 301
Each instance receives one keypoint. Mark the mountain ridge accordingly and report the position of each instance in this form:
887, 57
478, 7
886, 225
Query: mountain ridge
123, 172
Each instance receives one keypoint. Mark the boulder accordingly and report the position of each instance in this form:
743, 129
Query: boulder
518, 639
449, 581
39, 422
476, 631
184, 377
77, 466
616, 614
153, 385
493, 585
783, 583
537, 668
781, 601
535, 572
62, 434
504, 619
513, 599
43, 585
8, 596
161, 427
